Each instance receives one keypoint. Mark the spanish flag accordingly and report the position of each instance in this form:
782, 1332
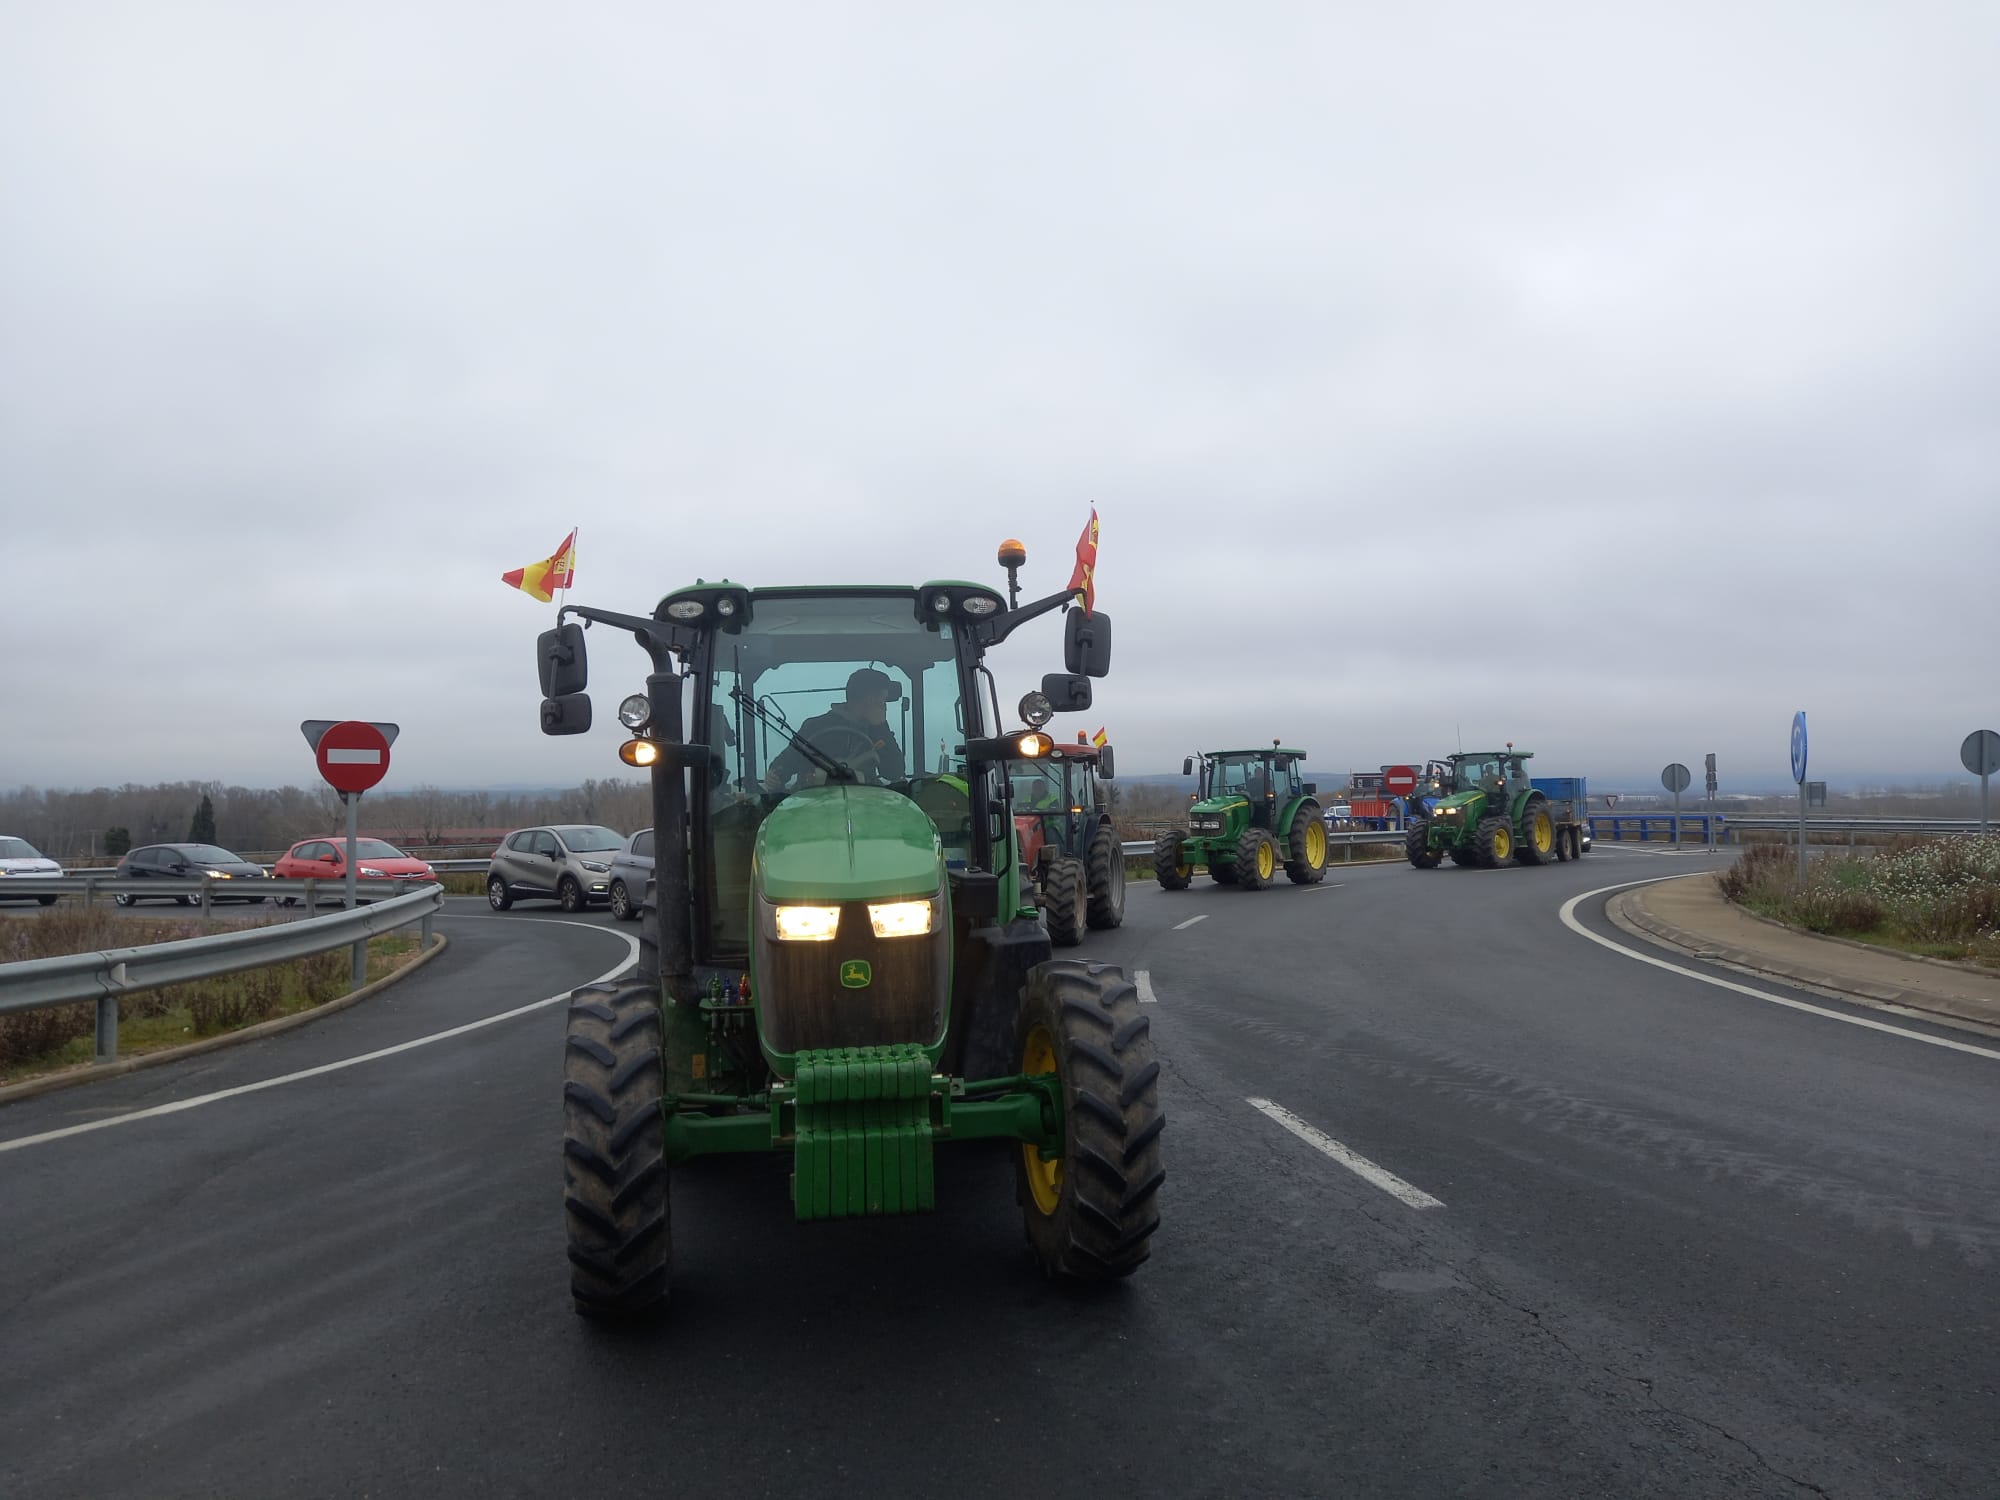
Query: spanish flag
542, 579
1100, 739
1084, 580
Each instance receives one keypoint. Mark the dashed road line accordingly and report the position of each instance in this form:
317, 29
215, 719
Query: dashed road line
1569, 919
1179, 926
198, 1100
1143, 982
1354, 1161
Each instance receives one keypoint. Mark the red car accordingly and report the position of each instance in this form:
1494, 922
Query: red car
325, 859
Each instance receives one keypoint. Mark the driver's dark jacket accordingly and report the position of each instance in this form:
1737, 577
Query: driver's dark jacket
886, 766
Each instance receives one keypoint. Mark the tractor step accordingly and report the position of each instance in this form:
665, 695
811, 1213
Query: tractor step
862, 1132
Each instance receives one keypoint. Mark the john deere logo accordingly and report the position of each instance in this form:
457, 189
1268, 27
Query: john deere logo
857, 974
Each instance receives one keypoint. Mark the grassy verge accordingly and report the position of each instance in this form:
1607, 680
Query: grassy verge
1937, 898
57, 1037
463, 883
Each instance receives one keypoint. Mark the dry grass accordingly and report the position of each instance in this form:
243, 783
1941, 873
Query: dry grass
1939, 897
39, 1041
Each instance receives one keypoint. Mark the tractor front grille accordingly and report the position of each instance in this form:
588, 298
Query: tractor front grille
1205, 823
802, 1002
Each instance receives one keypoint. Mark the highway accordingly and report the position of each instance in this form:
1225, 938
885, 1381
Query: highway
1514, 1214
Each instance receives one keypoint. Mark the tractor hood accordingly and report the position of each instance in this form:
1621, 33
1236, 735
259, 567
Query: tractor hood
1464, 803
847, 843
1217, 804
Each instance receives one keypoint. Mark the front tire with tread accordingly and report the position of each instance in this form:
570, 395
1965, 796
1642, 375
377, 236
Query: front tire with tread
1417, 847
1256, 859
1065, 901
1104, 1204
1170, 866
1305, 854
1104, 878
615, 1174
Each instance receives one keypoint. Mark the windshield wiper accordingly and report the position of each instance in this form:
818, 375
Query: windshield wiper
774, 718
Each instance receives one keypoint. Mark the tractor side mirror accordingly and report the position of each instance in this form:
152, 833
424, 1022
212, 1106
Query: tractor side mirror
1107, 766
1067, 693
1187, 766
1312, 788
568, 714
1087, 643
559, 655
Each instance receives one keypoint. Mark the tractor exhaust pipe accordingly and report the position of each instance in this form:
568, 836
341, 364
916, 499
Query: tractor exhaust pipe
670, 847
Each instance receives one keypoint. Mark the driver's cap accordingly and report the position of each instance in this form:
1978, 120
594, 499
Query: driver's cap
876, 686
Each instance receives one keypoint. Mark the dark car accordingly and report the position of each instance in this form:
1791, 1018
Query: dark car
186, 862
631, 869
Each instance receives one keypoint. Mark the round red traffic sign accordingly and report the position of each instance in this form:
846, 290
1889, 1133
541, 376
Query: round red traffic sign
353, 755
1399, 781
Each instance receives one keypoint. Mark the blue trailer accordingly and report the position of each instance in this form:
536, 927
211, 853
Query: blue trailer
1569, 805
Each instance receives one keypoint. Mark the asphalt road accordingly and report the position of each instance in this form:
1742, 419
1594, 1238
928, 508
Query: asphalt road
1685, 1243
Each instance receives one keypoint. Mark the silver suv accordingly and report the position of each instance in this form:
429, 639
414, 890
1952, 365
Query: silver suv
569, 863
631, 870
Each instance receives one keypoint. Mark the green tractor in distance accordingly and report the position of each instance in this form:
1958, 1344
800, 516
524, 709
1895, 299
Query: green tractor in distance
1070, 853
1250, 816
839, 957
1489, 813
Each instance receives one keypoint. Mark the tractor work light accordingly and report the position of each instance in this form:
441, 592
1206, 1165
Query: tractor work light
686, 609
1036, 710
980, 604
807, 924
1035, 746
940, 604
636, 712
892, 919
726, 607
640, 753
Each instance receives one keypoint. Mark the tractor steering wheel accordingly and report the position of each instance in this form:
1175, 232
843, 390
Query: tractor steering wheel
828, 739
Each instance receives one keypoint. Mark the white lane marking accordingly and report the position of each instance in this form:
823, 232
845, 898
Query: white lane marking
1178, 926
198, 1100
1327, 885
1144, 983
1354, 1161
1568, 914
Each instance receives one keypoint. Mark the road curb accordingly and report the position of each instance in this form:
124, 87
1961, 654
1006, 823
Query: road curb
1628, 912
84, 1073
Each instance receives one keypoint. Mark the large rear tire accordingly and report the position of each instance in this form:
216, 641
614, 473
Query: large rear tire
1090, 1213
1493, 841
1170, 866
1104, 875
1417, 847
1256, 859
1535, 839
1065, 901
614, 1154
1305, 847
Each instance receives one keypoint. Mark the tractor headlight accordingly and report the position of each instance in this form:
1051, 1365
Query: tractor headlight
892, 919
636, 712
807, 924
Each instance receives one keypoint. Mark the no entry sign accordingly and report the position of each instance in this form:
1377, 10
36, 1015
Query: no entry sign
353, 755
1399, 781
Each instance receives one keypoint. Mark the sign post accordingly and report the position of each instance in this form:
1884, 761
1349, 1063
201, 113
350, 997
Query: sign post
353, 755
1711, 801
1799, 775
1675, 779
1980, 754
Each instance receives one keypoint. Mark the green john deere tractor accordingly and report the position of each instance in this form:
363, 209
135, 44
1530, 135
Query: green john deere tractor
1250, 816
1070, 854
1489, 814
840, 960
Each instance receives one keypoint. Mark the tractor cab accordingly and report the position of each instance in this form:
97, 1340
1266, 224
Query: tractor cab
1494, 772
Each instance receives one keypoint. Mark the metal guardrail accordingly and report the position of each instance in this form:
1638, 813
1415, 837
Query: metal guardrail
1727, 825
105, 975
207, 893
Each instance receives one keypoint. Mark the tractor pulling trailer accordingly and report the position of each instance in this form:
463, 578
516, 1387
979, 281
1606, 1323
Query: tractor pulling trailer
840, 957
1491, 812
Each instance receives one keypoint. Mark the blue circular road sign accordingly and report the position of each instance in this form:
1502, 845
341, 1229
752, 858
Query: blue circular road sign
1799, 745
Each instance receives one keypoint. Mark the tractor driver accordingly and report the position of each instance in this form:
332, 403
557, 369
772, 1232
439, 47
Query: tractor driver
855, 731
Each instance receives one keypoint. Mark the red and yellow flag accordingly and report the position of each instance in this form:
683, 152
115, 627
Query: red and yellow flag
1100, 739
1084, 580
542, 579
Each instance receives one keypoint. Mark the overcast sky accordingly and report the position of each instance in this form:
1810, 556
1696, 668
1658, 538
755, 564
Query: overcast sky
1612, 383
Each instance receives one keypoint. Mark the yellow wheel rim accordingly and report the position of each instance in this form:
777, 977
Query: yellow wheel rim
1184, 871
1266, 862
1045, 1178
1544, 833
1503, 843
1315, 843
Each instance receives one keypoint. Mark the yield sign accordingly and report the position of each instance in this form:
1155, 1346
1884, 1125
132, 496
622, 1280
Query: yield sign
353, 755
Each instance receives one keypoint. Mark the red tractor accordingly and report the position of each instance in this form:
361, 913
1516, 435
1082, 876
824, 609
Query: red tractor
1070, 855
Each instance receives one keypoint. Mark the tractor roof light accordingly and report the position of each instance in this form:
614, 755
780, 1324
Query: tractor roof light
1036, 710
686, 609
940, 603
725, 606
1033, 746
1013, 554
980, 605
636, 712
641, 753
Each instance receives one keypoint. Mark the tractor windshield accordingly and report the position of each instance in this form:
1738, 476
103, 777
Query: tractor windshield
1235, 777
1476, 773
819, 687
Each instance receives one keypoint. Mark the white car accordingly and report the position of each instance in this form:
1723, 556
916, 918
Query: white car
19, 857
